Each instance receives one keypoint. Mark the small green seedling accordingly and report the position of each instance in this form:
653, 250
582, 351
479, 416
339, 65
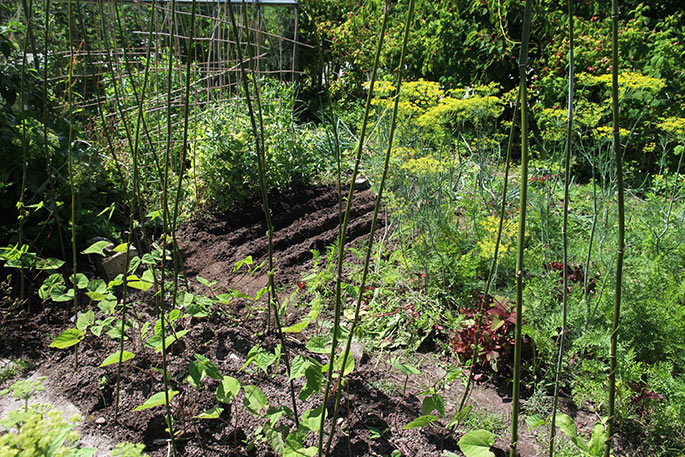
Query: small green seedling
157, 399
593, 448
129, 450
14, 368
262, 358
377, 433
405, 368
24, 389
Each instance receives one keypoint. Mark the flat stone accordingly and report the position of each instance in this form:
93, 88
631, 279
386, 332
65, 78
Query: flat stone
115, 265
361, 183
6, 364
357, 352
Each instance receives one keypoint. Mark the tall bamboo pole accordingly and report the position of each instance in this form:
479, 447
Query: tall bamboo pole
70, 158
343, 230
161, 297
51, 182
374, 222
564, 229
621, 227
523, 63
135, 201
261, 164
21, 205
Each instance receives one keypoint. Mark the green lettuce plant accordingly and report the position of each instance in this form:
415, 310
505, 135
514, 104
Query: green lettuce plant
592, 448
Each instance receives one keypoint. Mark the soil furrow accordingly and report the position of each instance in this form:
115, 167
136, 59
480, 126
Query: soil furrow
304, 219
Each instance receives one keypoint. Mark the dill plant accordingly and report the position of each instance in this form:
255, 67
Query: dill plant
437, 129
490, 227
40, 433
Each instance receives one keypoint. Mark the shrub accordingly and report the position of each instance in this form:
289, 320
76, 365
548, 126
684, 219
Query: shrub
225, 161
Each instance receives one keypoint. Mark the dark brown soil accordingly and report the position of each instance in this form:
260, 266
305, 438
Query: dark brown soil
304, 220
374, 398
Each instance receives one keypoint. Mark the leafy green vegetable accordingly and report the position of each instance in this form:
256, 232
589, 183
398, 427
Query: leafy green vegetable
227, 389
68, 338
317, 344
114, 358
212, 413
255, 400
433, 403
404, 367
314, 377
157, 399
97, 248
420, 421
593, 448
476, 443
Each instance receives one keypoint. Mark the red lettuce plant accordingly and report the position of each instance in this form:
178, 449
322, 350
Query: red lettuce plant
494, 331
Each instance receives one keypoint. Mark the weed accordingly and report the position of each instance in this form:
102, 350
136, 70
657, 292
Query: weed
14, 368
491, 421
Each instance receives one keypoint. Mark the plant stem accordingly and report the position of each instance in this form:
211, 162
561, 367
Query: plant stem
523, 63
343, 230
621, 227
184, 146
586, 290
135, 202
45, 130
564, 229
130, 143
70, 104
674, 187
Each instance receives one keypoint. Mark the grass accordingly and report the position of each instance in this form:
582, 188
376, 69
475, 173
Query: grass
496, 423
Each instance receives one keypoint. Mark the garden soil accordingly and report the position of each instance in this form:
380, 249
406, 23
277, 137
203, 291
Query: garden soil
377, 401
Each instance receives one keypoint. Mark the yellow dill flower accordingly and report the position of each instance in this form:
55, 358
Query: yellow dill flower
629, 82
649, 147
587, 114
490, 226
673, 127
423, 166
607, 132
553, 122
